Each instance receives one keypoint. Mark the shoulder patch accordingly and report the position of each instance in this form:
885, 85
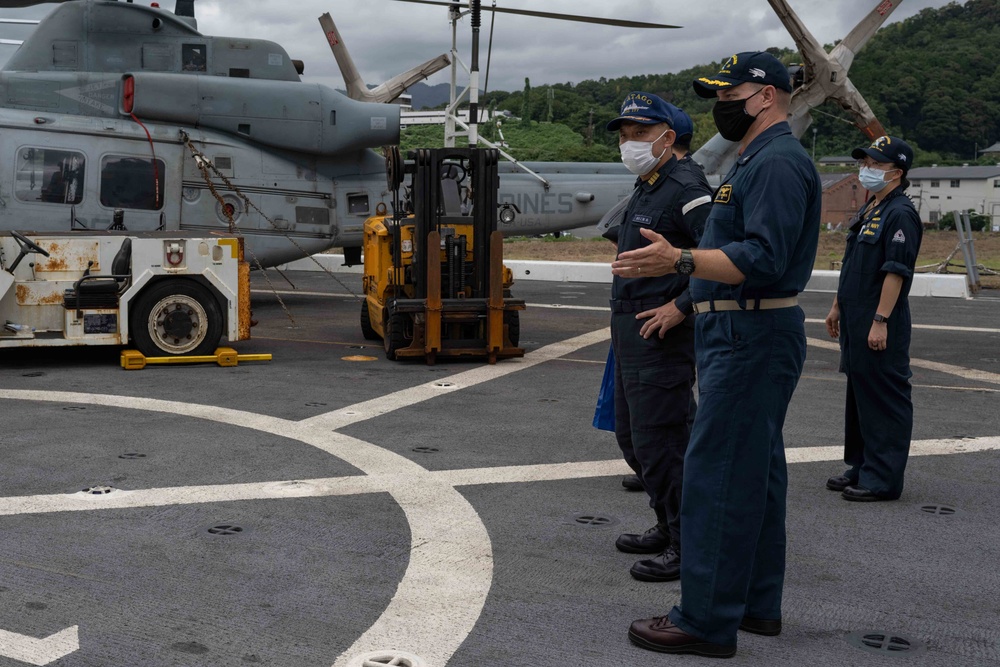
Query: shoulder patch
899, 237
695, 203
724, 194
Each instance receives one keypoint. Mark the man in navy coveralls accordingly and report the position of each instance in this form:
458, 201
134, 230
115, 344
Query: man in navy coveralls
756, 255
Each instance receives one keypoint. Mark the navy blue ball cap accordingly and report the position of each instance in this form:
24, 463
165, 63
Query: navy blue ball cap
889, 150
644, 108
682, 124
749, 66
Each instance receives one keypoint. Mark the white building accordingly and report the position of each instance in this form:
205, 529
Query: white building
937, 191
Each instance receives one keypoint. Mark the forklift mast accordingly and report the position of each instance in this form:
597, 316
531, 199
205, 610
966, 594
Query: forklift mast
433, 211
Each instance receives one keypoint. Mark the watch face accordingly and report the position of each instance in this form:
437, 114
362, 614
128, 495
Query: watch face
685, 265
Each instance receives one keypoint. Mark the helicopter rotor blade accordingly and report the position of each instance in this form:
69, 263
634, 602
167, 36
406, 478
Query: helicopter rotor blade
852, 101
848, 47
387, 91
10, 4
826, 73
550, 15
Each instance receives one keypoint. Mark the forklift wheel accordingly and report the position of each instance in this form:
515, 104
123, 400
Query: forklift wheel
512, 319
395, 333
366, 323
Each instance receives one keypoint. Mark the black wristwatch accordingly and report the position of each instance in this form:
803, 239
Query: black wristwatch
881, 319
685, 265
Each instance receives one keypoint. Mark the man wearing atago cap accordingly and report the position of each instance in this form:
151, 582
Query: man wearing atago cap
871, 317
683, 127
651, 334
756, 255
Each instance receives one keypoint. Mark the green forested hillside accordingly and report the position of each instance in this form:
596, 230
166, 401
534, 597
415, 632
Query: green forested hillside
933, 79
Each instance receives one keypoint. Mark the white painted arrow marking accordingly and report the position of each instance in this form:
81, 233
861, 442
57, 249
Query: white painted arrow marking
39, 651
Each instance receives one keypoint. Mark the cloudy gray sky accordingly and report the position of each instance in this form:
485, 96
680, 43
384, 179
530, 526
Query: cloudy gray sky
387, 37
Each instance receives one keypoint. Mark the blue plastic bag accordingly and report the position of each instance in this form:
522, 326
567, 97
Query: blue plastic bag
604, 413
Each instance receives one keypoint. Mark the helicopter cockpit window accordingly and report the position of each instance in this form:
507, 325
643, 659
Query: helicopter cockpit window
132, 182
47, 175
194, 58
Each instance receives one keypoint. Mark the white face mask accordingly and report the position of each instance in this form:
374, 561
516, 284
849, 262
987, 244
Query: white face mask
872, 179
638, 155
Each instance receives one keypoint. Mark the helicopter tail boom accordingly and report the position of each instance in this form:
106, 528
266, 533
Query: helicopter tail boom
282, 114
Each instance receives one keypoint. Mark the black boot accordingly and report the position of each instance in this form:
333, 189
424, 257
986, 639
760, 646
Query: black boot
632, 483
665, 567
653, 541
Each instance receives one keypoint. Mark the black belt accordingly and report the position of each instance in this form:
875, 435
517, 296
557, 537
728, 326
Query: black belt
636, 305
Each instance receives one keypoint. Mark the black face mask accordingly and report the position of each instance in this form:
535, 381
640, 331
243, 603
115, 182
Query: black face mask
732, 118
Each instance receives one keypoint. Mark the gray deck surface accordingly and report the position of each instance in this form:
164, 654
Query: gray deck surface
471, 554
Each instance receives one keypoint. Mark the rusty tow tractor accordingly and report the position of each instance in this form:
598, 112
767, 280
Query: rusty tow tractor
167, 295
434, 281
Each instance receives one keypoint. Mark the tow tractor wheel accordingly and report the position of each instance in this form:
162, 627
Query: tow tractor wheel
366, 322
176, 317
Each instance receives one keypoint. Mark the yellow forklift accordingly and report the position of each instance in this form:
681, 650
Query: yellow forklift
434, 280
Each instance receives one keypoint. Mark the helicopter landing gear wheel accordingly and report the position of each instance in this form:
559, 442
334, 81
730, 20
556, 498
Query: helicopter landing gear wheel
176, 317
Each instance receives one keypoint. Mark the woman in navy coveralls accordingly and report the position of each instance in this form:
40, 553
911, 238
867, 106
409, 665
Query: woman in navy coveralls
871, 316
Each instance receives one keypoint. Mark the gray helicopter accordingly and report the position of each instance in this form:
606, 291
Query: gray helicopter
119, 115
112, 106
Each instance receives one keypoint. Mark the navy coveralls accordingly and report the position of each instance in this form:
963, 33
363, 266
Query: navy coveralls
878, 420
765, 218
654, 376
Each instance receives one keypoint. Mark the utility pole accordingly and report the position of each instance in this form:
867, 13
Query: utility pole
814, 143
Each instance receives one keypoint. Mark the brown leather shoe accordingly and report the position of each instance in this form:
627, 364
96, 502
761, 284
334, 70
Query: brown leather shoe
659, 634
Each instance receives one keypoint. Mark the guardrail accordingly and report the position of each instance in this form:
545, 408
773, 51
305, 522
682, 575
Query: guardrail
924, 284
